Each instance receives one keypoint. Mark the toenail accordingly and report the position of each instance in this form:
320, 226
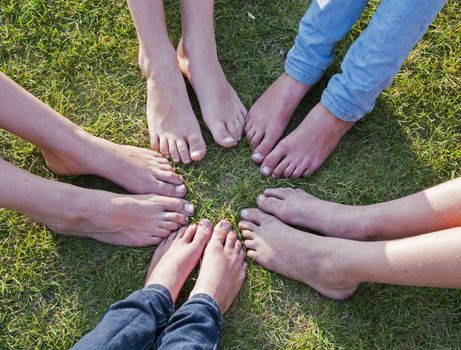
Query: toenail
225, 225
229, 139
273, 176
180, 189
265, 170
189, 208
244, 213
205, 223
261, 197
196, 153
257, 156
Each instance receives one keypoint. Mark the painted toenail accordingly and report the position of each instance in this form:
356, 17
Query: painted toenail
189, 208
261, 197
257, 156
265, 170
225, 225
180, 189
205, 223
229, 140
244, 213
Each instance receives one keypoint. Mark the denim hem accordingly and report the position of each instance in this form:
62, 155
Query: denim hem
338, 112
300, 75
163, 291
205, 298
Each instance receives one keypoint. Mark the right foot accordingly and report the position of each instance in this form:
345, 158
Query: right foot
173, 127
223, 267
298, 208
314, 260
177, 256
269, 116
126, 220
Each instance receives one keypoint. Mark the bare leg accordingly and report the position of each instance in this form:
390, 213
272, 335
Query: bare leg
69, 150
434, 209
335, 267
222, 110
173, 127
135, 221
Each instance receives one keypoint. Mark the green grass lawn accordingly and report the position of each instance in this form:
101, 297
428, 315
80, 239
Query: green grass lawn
81, 58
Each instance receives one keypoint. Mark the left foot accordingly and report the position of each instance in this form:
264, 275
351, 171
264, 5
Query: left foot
305, 149
223, 112
138, 170
177, 256
314, 260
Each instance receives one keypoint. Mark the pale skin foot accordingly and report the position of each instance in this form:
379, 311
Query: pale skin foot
176, 257
223, 268
174, 129
305, 149
269, 116
223, 112
138, 170
299, 208
295, 254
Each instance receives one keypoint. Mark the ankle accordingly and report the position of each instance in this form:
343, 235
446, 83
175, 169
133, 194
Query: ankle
156, 60
197, 49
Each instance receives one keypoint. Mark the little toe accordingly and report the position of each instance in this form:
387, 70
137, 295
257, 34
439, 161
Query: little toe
164, 146
176, 217
252, 254
183, 151
268, 204
169, 176
154, 143
197, 147
220, 231
297, 173
250, 244
230, 240
170, 225
253, 215
174, 154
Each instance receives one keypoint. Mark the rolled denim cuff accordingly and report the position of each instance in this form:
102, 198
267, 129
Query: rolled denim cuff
211, 305
165, 294
339, 110
300, 71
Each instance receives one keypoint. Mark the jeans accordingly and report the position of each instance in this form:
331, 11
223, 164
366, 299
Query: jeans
373, 59
147, 318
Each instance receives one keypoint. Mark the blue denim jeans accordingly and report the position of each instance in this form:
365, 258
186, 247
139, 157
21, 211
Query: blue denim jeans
373, 59
147, 318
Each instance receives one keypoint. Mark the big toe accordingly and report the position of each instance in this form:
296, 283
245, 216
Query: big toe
268, 204
272, 160
221, 135
197, 147
220, 232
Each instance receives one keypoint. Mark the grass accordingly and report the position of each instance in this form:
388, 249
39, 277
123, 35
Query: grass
81, 58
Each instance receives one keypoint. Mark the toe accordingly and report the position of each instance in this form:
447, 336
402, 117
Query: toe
189, 234
222, 136
170, 225
250, 244
174, 151
230, 240
280, 168
183, 151
247, 225
239, 126
181, 232
248, 234
164, 146
220, 232
273, 159
233, 130
298, 172
197, 147
263, 148
176, 217
280, 193
256, 139
268, 204
169, 177
289, 170
177, 205
170, 190
154, 143
253, 215
252, 254
203, 233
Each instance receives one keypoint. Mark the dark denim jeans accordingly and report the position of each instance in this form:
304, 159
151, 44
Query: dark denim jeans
147, 318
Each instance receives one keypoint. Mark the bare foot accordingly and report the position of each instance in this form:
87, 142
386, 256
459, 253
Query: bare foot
298, 208
269, 116
223, 112
305, 149
223, 268
134, 221
313, 260
138, 170
174, 129
177, 256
